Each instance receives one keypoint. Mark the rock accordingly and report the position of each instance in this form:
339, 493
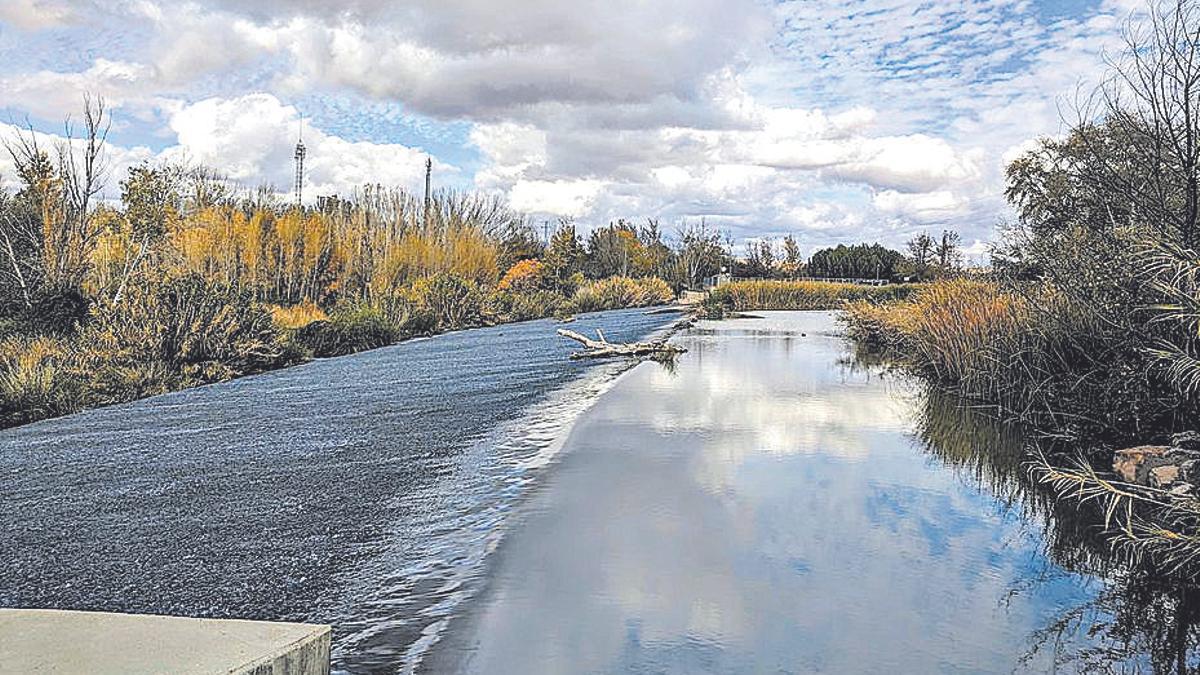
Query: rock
1162, 476
1187, 440
1133, 464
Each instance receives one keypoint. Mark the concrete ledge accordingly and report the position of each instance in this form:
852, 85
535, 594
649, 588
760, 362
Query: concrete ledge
54, 641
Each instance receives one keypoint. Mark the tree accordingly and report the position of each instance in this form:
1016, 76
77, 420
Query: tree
699, 254
948, 253
793, 262
612, 250
564, 256
760, 258
1152, 105
860, 261
654, 256
47, 238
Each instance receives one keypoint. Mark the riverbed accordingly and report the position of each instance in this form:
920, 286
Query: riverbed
476, 502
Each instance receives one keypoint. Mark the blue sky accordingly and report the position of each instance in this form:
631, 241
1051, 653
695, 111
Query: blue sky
832, 120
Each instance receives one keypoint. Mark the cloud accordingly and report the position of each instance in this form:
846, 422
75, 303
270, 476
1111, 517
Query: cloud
32, 15
252, 139
560, 198
835, 119
55, 95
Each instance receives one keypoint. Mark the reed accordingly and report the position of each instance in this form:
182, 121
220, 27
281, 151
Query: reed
741, 296
298, 316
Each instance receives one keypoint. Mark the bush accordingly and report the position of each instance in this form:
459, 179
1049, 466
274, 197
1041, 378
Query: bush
35, 380
1033, 351
349, 329
203, 331
620, 292
507, 306
452, 301
524, 276
58, 311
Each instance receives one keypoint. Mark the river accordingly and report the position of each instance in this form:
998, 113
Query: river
476, 502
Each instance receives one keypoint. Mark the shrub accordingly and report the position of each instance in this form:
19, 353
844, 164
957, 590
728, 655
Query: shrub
526, 305
114, 381
202, 330
524, 276
35, 380
620, 292
453, 301
1033, 351
58, 311
349, 329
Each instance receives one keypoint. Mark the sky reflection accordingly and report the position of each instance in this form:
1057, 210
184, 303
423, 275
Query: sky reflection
760, 508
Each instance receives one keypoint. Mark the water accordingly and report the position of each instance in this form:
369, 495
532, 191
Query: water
477, 503
772, 505
362, 491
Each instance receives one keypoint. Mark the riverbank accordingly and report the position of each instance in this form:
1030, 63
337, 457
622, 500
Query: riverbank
1087, 388
771, 503
193, 335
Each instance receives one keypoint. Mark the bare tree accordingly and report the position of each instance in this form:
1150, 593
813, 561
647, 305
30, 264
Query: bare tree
700, 252
1149, 153
48, 243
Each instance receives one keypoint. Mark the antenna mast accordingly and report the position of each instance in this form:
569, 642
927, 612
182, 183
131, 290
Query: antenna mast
428, 172
300, 153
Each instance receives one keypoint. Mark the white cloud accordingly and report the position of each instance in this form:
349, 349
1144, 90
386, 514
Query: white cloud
817, 117
35, 14
567, 198
921, 207
252, 138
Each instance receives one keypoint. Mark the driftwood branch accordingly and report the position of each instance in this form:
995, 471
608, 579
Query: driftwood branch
602, 348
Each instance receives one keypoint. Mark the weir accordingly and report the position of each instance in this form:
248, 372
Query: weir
56, 641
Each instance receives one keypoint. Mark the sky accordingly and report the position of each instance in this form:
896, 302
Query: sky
829, 120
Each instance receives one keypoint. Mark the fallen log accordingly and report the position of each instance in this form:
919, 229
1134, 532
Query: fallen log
602, 348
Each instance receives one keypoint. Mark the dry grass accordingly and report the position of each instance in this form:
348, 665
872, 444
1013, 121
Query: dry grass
297, 316
35, 380
952, 328
797, 295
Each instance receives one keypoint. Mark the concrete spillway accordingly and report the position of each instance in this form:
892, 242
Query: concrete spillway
53, 641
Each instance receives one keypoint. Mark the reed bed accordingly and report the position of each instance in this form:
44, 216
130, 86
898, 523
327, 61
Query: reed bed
741, 296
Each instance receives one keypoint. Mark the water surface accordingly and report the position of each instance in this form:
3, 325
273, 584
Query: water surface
476, 502
363, 491
770, 505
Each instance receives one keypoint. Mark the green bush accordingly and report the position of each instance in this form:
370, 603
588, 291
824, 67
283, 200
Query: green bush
350, 328
201, 330
506, 306
453, 302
